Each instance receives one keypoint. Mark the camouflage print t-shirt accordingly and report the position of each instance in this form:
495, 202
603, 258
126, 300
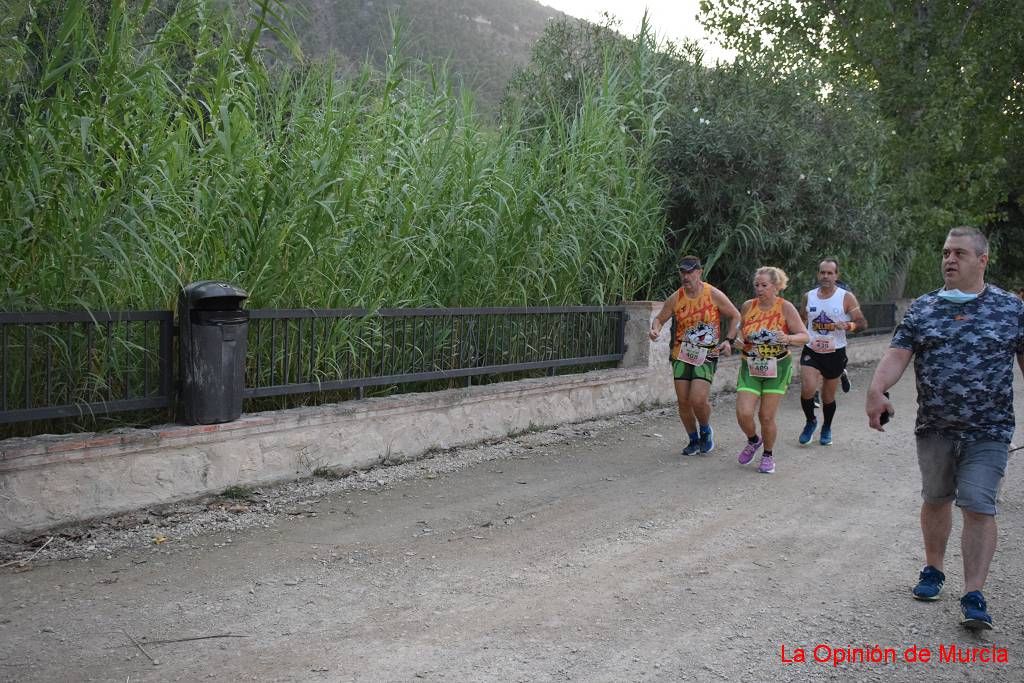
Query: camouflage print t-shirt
963, 358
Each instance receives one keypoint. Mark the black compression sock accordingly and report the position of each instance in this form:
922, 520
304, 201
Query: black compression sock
808, 405
829, 411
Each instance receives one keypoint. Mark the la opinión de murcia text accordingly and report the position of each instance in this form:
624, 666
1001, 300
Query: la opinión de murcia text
844, 655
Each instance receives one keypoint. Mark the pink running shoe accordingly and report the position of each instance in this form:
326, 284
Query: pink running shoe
767, 465
747, 454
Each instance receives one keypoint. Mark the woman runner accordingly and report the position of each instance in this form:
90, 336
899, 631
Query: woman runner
770, 325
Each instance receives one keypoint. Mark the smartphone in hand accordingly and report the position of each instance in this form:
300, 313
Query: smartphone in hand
884, 417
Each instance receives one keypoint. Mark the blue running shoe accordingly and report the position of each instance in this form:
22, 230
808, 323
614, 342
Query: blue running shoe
826, 436
929, 584
707, 440
693, 448
805, 436
975, 612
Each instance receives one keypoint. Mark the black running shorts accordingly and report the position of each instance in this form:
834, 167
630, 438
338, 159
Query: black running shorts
830, 365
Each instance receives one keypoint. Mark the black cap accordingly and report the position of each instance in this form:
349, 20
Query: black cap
689, 263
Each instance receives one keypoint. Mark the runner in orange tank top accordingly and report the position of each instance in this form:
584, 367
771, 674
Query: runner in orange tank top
696, 310
770, 326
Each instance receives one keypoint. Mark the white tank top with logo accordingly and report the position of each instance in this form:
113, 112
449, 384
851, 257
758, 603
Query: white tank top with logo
822, 315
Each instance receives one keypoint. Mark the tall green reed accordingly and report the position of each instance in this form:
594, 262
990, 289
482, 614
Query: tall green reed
149, 150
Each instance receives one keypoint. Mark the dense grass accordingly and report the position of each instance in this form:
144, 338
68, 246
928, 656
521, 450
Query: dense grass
142, 151
758, 167
145, 145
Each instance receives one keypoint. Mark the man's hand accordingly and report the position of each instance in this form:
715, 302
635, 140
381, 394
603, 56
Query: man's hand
655, 332
724, 348
877, 406
887, 374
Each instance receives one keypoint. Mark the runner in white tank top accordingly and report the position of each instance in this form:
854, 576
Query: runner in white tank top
829, 312
822, 314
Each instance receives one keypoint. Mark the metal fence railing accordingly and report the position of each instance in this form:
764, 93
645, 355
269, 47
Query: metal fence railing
69, 365
306, 350
56, 365
881, 317
60, 365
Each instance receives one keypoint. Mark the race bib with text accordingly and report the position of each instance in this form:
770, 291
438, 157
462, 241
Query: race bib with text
824, 345
693, 355
765, 368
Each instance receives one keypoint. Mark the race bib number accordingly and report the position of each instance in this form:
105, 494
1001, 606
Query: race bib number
693, 355
823, 345
765, 368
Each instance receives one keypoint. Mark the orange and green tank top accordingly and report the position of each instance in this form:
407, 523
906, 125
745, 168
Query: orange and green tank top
695, 321
762, 329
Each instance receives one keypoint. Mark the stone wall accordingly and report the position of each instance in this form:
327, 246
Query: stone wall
46, 481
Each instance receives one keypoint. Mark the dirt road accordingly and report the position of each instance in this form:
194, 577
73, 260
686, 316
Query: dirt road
597, 553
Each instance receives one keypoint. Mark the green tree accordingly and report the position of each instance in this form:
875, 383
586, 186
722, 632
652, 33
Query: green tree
945, 76
757, 168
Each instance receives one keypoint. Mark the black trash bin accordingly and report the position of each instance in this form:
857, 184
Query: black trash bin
213, 337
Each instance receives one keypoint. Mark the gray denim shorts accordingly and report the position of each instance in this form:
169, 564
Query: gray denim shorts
966, 471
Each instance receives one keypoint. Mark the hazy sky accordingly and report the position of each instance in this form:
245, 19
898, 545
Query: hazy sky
671, 19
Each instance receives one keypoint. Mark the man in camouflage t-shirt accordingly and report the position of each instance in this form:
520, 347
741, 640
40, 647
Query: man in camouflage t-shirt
963, 339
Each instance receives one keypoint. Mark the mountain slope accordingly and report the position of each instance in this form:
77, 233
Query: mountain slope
483, 41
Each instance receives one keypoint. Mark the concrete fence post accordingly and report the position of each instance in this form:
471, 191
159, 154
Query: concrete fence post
641, 352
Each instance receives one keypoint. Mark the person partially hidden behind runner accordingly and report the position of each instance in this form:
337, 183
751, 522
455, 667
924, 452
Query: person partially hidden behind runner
696, 310
770, 325
963, 339
829, 312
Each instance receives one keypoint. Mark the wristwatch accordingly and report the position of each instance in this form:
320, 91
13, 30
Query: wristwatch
731, 340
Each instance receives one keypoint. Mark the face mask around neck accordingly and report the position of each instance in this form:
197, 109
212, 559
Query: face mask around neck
956, 296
